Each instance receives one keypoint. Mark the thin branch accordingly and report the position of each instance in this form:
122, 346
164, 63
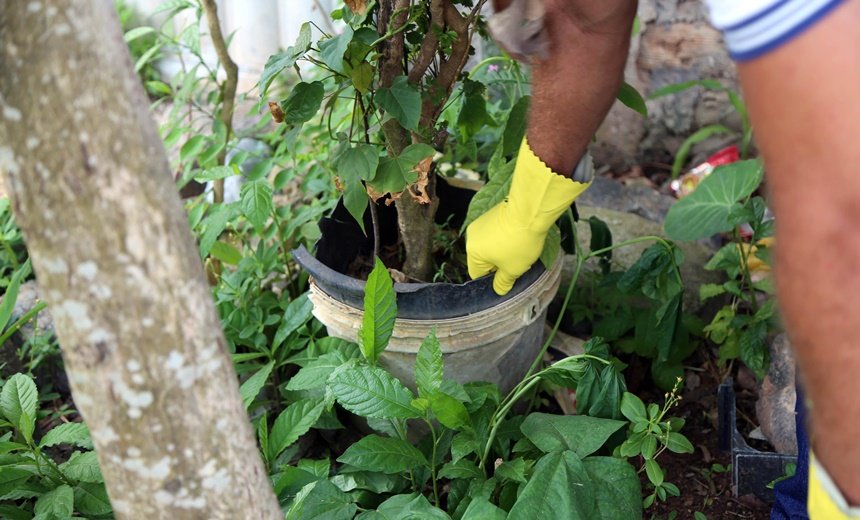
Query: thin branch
228, 92
427, 53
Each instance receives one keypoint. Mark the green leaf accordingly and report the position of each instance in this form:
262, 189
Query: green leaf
491, 194
292, 423
473, 113
26, 425
514, 470
515, 127
226, 253
92, 499
192, 148
697, 137
278, 62
632, 99
618, 492
215, 223
705, 211
679, 87
710, 290
677, 443
356, 200
372, 392
357, 163
601, 238
633, 408
380, 311
19, 396
303, 102
482, 509
362, 76
754, 351
406, 507
559, 483
551, 247
394, 174
321, 500
402, 101
11, 295
57, 503
461, 469
578, 433
136, 33
252, 386
316, 373
83, 467
654, 472
256, 199
383, 454
331, 50
449, 411
428, 366
73, 433
298, 312
319, 467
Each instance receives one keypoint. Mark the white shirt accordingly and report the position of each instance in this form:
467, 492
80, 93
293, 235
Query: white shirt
754, 27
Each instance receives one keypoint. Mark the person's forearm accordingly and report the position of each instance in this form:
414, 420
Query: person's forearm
575, 87
803, 101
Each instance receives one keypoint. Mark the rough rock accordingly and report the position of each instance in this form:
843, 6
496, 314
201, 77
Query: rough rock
626, 226
777, 396
675, 43
639, 200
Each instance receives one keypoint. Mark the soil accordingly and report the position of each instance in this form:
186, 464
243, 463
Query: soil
703, 487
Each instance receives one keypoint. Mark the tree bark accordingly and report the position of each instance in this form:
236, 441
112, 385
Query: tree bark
109, 241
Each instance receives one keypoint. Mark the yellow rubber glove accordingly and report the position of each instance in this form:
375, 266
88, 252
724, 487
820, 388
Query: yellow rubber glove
825, 501
509, 237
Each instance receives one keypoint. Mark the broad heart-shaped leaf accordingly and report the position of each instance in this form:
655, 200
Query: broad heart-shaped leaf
298, 312
252, 386
303, 102
394, 174
380, 311
293, 422
405, 507
19, 395
354, 165
331, 50
73, 433
428, 366
491, 194
706, 211
617, 491
92, 499
577, 433
372, 392
83, 467
278, 62
482, 509
256, 198
383, 454
559, 483
321, 500
401, 101
57, 503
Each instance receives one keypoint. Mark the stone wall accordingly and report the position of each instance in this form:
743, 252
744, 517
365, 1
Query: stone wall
675, 43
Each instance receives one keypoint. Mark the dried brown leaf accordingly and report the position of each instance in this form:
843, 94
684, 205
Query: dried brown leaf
357, 6
418, 191
276, 111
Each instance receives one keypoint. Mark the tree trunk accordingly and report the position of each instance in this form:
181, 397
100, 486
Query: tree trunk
109, 240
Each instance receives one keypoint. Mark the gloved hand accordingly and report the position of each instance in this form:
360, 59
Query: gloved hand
509, 238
